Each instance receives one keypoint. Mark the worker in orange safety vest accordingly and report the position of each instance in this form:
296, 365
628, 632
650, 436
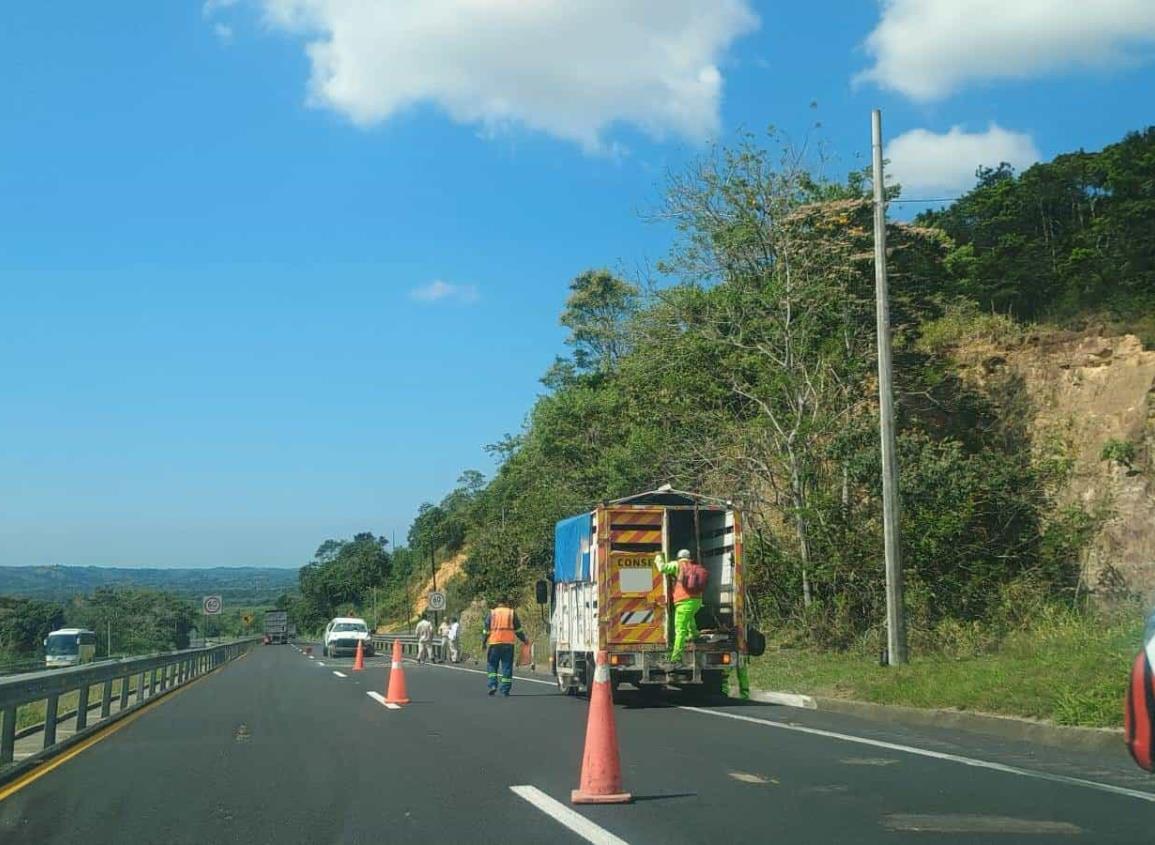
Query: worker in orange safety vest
501, 629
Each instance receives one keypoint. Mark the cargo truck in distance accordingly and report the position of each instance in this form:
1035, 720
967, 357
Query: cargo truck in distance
277, 627
607, 595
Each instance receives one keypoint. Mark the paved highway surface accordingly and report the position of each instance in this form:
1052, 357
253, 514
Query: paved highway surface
278, 749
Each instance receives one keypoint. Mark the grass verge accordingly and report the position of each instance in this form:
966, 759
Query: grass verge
1071, 670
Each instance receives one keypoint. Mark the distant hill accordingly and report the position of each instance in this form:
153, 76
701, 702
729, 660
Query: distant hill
242, 585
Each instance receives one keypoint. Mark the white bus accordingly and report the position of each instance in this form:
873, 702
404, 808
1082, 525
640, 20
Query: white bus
69, 647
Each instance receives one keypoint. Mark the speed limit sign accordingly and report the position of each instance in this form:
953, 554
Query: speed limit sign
211, 605
437, 600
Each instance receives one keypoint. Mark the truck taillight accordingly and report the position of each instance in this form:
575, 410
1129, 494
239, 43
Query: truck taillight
621, 660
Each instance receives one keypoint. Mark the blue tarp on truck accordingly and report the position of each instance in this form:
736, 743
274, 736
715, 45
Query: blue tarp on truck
571, 549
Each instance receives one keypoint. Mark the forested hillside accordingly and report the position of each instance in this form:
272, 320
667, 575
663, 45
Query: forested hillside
747, 371
237, 585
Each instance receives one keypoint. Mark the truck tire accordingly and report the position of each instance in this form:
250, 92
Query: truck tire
564, 686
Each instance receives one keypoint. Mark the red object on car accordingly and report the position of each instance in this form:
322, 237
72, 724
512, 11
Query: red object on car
1139, 713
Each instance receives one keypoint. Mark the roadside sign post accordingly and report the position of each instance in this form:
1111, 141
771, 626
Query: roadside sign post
436, 602
211, 606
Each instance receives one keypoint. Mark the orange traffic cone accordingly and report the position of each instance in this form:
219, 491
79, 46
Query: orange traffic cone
359, 660
601, 781
397, 693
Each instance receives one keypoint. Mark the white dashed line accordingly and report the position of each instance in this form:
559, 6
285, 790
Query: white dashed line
340, 674
562, 814
380, 699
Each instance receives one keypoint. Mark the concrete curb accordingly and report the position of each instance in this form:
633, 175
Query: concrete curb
1007, 727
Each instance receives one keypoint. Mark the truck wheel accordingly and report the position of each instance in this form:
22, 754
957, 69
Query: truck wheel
564, 686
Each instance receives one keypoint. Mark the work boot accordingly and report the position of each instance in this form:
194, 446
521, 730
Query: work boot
493, 692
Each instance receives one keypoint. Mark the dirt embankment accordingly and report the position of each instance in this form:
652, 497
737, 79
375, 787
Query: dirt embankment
1075, 394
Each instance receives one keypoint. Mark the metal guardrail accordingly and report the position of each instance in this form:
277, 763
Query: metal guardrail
383, 643
152, 677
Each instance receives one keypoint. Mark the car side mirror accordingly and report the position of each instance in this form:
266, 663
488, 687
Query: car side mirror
542, 590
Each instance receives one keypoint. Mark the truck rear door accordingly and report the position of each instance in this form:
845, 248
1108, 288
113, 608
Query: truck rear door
632, 594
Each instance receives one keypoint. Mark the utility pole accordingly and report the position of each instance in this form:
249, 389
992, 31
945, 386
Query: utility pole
433, 570
895, 617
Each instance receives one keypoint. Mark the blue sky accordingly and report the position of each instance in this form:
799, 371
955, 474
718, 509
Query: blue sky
273, 271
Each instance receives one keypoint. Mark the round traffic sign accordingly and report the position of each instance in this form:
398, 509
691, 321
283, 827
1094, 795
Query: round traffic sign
437, 601
211, 605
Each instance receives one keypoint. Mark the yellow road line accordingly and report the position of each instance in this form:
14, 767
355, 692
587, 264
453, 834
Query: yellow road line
102, 733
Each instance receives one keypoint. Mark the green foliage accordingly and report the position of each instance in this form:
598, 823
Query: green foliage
1058, 664
341, 574
24, 623
597, 313
1122, 452
1065, 237
964, 322
141, 621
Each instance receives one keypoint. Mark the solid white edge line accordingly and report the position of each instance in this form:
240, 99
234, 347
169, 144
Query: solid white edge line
479, 672
562, 814
340, 674
936, 755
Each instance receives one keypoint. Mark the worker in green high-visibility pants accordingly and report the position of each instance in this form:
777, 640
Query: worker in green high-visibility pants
689, 585
743, 681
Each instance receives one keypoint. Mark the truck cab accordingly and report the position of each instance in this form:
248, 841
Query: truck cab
607, 595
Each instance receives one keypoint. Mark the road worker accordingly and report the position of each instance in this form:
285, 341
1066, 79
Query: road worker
743, 680
689, 586
501, 629
453, 640
443, 633
424, 638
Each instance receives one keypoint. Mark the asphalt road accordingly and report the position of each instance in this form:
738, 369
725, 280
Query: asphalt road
278, 749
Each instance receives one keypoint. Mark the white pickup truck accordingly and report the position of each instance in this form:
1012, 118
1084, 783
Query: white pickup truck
342, 634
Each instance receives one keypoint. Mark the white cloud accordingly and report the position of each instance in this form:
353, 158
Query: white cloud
568, 68
224, 32
926, 163
928, 49
443, 292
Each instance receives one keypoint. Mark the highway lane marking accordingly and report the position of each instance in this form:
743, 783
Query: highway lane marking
479, 672
562, 814
340, 674
380, 699
319, 663
936, 755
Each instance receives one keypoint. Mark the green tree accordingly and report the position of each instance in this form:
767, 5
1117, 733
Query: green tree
24, 623
597, 313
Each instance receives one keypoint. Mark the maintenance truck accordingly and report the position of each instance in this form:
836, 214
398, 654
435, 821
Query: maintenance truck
277, 626
607, 595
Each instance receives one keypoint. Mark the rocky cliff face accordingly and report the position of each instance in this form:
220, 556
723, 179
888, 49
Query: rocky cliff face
1076, 394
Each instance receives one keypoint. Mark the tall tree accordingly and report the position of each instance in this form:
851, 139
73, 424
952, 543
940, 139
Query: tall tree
597, 313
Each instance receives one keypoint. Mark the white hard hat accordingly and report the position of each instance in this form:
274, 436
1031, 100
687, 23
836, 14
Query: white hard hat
684, 554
